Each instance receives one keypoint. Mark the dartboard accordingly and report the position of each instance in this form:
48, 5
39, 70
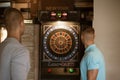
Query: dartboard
60, 43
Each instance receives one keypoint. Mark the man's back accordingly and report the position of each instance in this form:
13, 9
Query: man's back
93, 59
14, 60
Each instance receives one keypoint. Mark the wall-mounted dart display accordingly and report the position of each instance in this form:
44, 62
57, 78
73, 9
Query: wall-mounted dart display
59, 45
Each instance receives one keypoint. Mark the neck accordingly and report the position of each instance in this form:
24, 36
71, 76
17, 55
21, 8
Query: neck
15, 35
89, 43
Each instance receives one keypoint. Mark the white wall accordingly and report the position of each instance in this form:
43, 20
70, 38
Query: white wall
107, 26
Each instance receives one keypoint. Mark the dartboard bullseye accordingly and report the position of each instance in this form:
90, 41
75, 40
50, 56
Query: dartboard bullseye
60, 43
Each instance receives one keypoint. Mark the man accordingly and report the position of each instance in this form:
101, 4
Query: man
92, 64
14, 57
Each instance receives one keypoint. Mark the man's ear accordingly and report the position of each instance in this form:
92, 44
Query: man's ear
21, 23
94, 35
22, 27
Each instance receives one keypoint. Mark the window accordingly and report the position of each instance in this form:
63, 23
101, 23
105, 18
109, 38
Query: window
3, 34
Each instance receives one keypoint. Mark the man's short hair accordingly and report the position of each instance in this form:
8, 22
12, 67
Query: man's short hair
89, 30
12, 17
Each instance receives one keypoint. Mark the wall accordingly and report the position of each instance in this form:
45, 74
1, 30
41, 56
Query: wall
107, 26
33, 5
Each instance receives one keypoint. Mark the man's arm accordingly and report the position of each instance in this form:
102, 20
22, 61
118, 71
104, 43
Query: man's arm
92, 74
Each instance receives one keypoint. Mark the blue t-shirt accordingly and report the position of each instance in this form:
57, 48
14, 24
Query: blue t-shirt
92, 59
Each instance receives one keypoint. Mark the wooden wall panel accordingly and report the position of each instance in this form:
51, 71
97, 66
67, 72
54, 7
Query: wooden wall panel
57, 4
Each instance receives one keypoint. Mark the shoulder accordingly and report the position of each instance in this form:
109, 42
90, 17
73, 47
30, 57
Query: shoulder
16, 48
92, 60
21, 50
21, 55
94, 56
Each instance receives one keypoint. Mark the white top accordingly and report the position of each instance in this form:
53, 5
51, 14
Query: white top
14, 60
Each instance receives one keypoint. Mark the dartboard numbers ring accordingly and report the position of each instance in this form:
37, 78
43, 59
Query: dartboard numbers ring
60, 43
